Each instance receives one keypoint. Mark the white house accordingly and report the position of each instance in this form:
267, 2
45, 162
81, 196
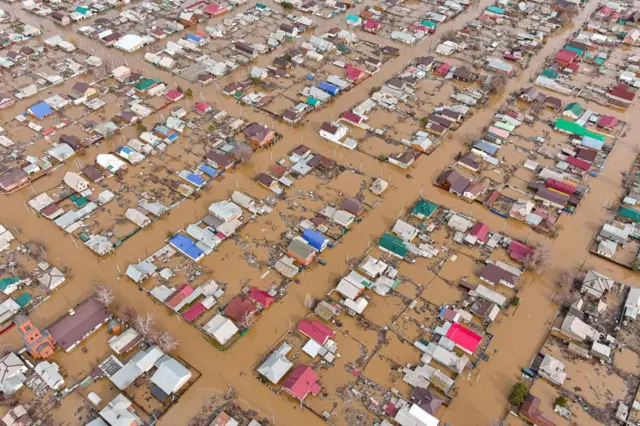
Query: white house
333, 132
170, 375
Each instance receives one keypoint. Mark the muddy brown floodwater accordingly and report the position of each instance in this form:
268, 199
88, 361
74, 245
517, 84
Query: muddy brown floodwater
518, 335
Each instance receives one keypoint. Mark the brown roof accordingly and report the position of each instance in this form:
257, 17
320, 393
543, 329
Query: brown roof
220, 159
72, 327
426, 400
93, 173
12, 177
265, 179
352, 205
463, 73
587, 155
301, 150
81, 87
530, 410
329, 128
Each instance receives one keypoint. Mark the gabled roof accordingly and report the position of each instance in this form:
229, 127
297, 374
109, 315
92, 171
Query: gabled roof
464, 338
316, 330
240, 308
301, 382
260, 296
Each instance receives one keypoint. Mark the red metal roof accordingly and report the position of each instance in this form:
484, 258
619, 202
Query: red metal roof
519, 251
214, 9
351, 117
301, 382
179, 295
480, 230
353, 73
576, 162
173, 95
260, 296
316, 330
463, 337
194, 312
240, 308
566, 55
370, 24
560, 186
444, 68
622, 93
607, 121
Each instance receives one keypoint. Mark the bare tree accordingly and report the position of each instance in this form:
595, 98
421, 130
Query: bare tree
246, 322
470, 138
143, 324
451, 35
497, 82
539, 260
104, 294
166, 341
127, 314
245, 153
309, 301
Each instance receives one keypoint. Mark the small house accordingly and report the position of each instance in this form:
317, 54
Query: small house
301, 251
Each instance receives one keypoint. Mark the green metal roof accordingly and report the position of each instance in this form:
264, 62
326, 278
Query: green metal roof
630, 213
549, 73
574, 107
425, 208
146, 84
24, 299
6, 282
393, 244
576, 129
574, 49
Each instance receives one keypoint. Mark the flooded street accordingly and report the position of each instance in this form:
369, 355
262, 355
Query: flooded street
518, 334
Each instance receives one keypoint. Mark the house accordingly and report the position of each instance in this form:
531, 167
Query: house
480, 232
463, 74
258, 134
553, 103
61, 18
519, 251
465, 339
470, 161
495, 275
40, 110
225, 210
276, 365
576, 329
84, 89
301, 382
219, 161
316, 330
169, 377
607, 122
426, 400
573, 110
79, 323
596, 284
565, 57
213, 9
10, 284
530, 411
333, 132
353, 206
130, 43
551, 197
50, 374
553, 370
354, 75
529, 94
40, 345
424, 209
13, 179
202, 108
301, 251
174, 95
221, 329
451, 180
240, 309
371, 26
621, 95
260, 297
142, 362
12, 373
125, 342
120, 412
17, 416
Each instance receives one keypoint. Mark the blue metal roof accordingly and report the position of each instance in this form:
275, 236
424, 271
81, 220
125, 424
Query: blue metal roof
329, 88
194, 37
208, 170
41, 110
195, 179
315, 239
187, 246
487, 147
592, 143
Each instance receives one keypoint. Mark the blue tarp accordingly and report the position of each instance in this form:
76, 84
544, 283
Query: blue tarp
496, 10
329, 88
41, 110
208, 170
172, 137
315, 239
163, 130
186, 246
194, 37
195, 179
591, 143
487, 147
127, 150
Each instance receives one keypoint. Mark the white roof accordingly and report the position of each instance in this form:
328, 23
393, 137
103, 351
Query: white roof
222, 329
117, 413
405, 231
50, 373
119, 343
372, 266
129, 42
632, 303
553, 370
41, 201
277, 365
225, 210
596, 284
490, 295
170, 376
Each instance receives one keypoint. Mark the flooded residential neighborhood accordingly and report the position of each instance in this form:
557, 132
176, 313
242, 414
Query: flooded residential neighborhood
359, 212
